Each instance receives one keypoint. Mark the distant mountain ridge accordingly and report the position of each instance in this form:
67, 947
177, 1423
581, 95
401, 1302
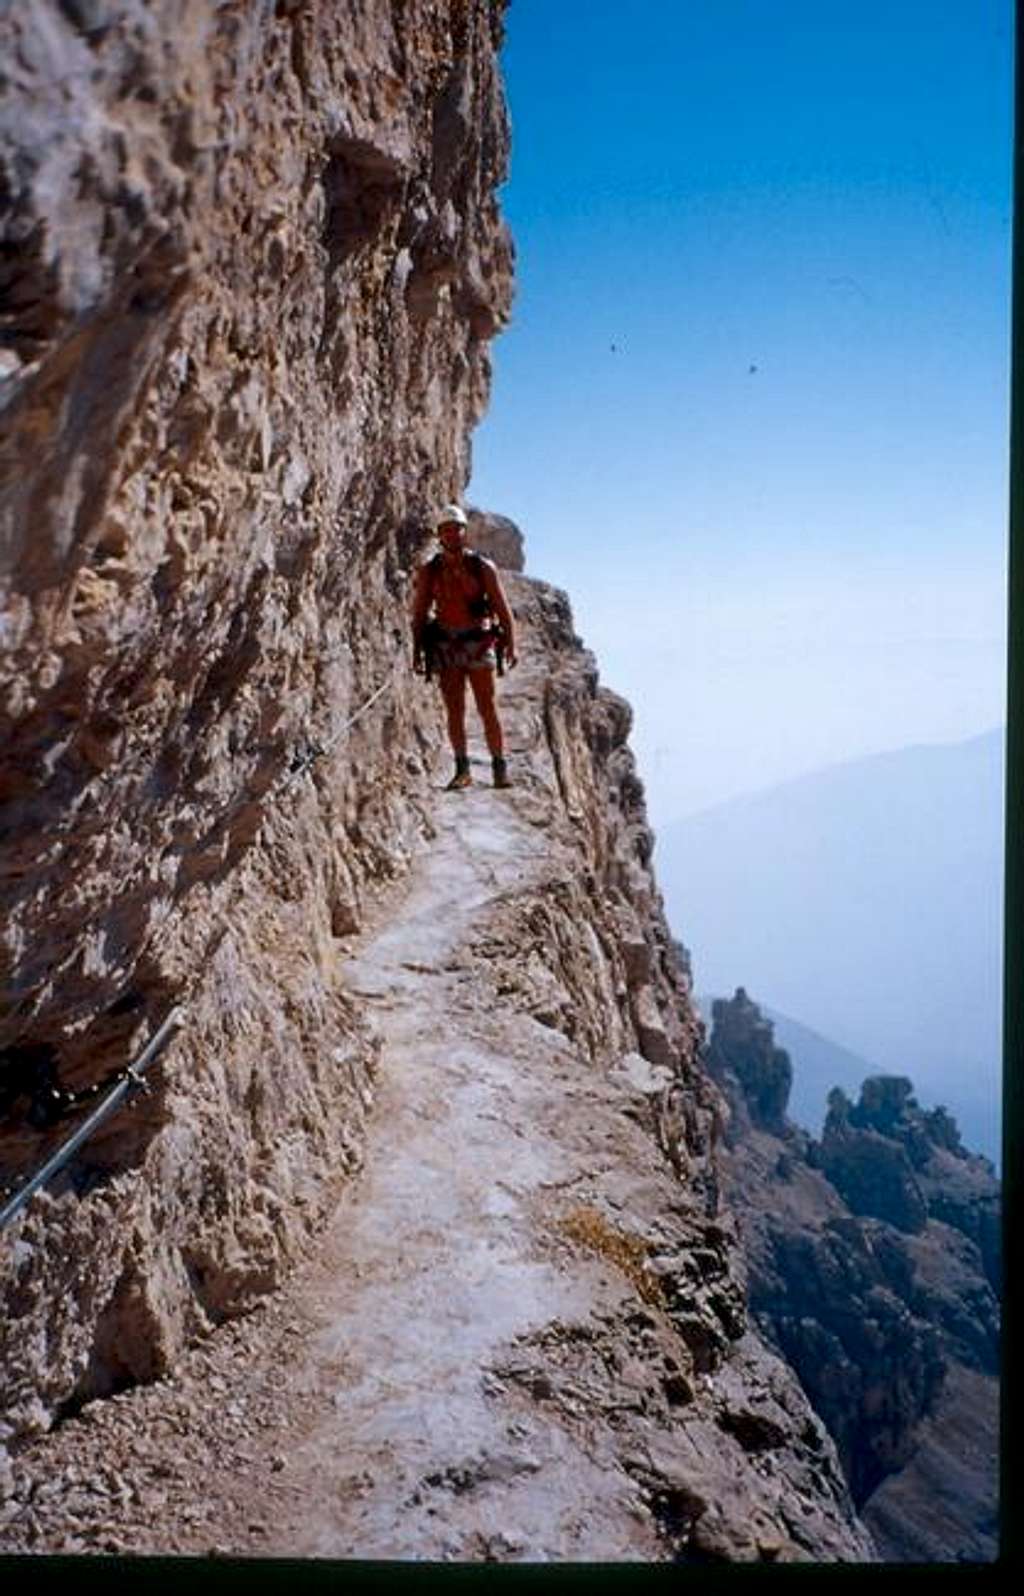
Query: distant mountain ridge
866, 899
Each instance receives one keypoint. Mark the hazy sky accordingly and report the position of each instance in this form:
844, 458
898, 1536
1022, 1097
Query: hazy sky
752, 409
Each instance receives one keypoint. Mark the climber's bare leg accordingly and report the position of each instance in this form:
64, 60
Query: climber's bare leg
452, 681
482, 682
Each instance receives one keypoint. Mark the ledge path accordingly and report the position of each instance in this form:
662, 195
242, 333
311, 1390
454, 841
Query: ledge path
434, 1265
402, 1397
475, 1362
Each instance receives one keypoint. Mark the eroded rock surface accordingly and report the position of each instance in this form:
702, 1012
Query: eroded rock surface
252, 260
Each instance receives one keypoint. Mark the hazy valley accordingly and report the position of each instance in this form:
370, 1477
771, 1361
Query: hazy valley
864, 903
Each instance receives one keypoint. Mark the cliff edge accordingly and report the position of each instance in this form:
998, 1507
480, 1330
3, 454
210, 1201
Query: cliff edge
415, 1245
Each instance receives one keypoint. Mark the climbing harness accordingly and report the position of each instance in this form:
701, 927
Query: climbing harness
130, 1082
433, 637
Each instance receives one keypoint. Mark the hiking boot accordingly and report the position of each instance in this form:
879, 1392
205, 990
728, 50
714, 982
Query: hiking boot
462, 777
500, 771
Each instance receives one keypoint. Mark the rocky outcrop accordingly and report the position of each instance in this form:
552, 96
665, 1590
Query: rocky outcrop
871, 1171
891, 1158
497, 537
868, 1273
252, 260
743, 1051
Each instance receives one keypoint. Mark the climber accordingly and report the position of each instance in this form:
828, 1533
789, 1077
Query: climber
462, 625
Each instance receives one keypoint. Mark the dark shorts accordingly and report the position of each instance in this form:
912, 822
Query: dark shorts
470, 650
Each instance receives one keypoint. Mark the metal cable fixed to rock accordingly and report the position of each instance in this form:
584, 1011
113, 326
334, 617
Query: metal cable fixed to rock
129, 1081
310, 752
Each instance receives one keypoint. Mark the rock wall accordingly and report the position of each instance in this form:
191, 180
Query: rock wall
252, 259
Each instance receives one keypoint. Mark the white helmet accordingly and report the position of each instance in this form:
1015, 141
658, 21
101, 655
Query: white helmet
451, 512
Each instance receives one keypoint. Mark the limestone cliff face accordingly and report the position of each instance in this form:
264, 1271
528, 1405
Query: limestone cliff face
252, 261
252, 258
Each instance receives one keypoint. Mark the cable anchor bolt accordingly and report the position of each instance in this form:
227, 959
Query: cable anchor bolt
137, 1082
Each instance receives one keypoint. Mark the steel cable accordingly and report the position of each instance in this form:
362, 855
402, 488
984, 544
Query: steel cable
130, 1081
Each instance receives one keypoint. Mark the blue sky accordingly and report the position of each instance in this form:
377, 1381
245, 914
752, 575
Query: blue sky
752, 408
